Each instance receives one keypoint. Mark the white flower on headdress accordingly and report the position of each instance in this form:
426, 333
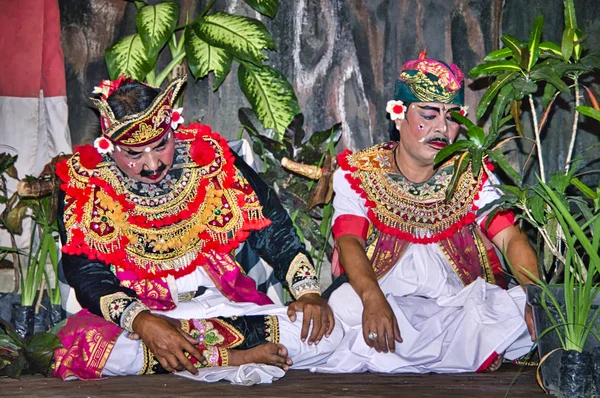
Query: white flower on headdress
176, 118
464, 110
103, 145
396, 109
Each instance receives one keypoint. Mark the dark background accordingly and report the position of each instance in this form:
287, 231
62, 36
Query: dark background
341, 56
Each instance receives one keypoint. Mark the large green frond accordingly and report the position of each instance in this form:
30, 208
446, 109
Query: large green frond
265, 7
128, 56
271, 95
243, 37
156, 25
203, 58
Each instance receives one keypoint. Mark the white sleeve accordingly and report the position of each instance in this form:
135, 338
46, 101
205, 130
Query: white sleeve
487, 194
346, 201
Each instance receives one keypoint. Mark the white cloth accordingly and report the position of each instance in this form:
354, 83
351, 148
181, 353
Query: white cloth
245, 375
446, 327
127, 358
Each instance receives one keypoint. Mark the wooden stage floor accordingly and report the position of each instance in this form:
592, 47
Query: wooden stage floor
295, 384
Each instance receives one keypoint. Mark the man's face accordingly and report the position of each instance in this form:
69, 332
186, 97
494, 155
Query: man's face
149, 163
427, 129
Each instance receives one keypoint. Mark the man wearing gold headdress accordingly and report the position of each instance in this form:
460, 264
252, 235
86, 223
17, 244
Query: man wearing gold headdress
151, 215
426, 291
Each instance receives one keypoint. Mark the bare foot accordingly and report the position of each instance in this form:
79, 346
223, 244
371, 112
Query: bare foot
495, 365
268, 353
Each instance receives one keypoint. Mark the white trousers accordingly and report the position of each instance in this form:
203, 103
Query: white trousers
127, 358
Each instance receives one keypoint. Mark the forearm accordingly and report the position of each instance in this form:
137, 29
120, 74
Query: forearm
521, 256
351, 251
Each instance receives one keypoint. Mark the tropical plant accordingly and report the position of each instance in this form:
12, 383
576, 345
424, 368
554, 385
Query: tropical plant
25, 356
312, 218
518, 72
209, 43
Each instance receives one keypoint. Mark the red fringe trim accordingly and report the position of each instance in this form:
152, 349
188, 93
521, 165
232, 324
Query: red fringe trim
118, 256
356, 185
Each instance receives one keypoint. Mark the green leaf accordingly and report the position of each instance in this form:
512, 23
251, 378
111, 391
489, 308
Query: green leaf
156, 25
566, 47
460, 166
578, 38
538, 207
498, 157
587, 191
243, 37
265, 7
128, 56
42, 342
514, 45
271, 96
570, 17
515, 112
15, 216
589, 111
452, 149
549, 91
494, 68
548, 74
139, 3
592, 60
550, 47
505, 96
534, 41
523, 87
203, 58
491, 92
7, 342
498, 54
476, 160
7, 164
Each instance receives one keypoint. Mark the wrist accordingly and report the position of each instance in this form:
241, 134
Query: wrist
136, 318
371, 294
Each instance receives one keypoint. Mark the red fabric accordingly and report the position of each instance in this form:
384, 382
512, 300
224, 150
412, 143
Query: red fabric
32, 56
502, 220
486, 364
348, 224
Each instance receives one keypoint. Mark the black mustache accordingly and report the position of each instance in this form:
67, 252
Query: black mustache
438, 139
148, 173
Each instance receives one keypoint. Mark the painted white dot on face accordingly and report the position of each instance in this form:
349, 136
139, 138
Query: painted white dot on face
422, 139
118, 148
421, 127
147, 149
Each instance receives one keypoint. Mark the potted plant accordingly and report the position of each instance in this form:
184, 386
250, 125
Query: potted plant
36, 199
558, 206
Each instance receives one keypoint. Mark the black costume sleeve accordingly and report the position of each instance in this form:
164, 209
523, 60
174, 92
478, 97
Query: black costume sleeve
279, 244
96, 287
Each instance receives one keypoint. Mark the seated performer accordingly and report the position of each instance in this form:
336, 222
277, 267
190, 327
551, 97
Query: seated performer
151, 216
426, 290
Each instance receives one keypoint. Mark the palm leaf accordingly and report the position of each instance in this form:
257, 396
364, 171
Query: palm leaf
242, 37
128, 56
271, 96
203, 58
156, 25
265, 7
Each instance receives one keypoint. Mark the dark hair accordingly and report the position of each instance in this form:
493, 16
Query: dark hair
392, 130
131, 98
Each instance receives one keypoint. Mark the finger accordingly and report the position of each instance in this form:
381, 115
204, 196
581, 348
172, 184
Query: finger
323, 328
330, 323
193, 350
366, 331
389, 338
306, 318
397, 335
317, 327
165, 364
173, 362
185, 363
381, 343
133, 336
291, 312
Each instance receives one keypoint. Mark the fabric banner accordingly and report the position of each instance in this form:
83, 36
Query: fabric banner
33, 102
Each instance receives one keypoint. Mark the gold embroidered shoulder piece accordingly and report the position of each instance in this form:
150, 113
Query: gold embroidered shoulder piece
416, 212
160, 230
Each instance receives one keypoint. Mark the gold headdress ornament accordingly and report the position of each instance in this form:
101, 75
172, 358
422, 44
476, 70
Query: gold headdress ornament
140, 128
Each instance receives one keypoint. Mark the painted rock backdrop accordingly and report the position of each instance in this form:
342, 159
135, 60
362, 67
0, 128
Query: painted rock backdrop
341, 56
